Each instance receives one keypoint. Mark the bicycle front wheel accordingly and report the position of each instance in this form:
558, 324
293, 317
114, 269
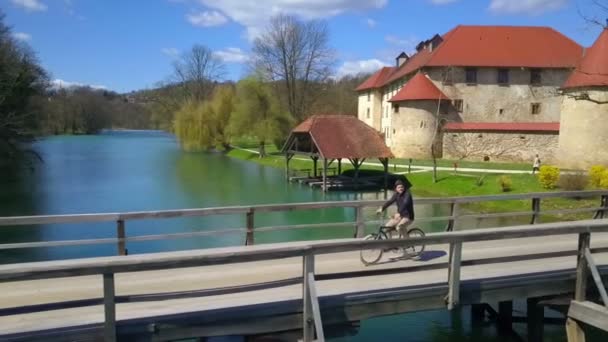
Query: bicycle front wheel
418, 249
372, 256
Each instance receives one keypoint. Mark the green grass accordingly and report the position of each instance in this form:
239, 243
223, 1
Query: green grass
454, 184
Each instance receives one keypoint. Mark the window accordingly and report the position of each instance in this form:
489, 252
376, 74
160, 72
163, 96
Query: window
535, 108
396, 108
369, 96
501, 111
368, 113
503, 76
448, 76
471, 75
458, 104
535, 78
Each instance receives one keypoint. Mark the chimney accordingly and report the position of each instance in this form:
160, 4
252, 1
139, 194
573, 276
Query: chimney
401, 59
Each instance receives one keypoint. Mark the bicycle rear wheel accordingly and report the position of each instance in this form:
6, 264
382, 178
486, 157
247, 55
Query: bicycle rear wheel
372, 256
412, 250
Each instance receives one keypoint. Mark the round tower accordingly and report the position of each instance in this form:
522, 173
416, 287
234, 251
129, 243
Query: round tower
583, 136
414, 119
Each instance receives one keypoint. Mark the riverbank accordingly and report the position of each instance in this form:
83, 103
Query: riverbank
453, 184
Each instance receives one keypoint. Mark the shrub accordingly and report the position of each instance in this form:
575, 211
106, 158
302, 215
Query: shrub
573, 181
604, 179
548, 176
505, 183
595, 175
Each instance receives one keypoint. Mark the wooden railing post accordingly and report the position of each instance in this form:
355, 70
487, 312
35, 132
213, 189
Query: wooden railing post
604, 211
454, 275
307, 312
581, 268
109, 306
536, 210
453, 213
120, 234
249, 240
360, 222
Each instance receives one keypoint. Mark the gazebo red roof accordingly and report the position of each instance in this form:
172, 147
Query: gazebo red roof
343, 136
419, 88
592, 71
503, 126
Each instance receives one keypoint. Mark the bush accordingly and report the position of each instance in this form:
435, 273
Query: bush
595, 175
604, 180
548, 176
505, 183
573, 181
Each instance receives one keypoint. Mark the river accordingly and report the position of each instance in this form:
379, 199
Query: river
119, 171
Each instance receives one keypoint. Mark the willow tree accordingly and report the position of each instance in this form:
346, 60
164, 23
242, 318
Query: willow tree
192, 126
222, 106
257, 113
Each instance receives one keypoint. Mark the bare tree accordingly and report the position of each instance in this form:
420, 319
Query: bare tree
497, 145
599, 8
297, 55
197, 71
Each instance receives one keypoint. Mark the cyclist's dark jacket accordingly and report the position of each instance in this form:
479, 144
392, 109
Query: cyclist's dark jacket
405, 204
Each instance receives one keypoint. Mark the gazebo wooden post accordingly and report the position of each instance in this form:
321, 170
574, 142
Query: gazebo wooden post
288, 157
339, 166
314, 165
324, 174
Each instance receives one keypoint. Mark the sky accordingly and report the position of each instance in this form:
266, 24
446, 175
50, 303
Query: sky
126, 45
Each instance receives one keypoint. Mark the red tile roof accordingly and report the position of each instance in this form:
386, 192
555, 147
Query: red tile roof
493, 46
344, 136
376, 80
420, 87
593, 68
503, 126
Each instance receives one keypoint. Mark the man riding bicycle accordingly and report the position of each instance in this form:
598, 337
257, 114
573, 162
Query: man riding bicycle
404, 216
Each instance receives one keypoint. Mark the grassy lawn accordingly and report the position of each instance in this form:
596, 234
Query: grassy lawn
455, 184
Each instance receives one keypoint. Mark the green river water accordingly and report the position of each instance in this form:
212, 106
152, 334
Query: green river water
121, 171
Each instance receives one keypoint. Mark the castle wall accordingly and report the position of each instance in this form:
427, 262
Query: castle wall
412, 129
583, 140
502, 147
487, 101
373, 103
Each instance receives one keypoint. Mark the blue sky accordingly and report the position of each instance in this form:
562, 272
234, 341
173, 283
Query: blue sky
126, 45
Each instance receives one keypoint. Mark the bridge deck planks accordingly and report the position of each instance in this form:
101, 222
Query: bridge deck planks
14, 294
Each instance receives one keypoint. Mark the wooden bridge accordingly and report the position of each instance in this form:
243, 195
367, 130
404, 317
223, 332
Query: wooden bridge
302, 287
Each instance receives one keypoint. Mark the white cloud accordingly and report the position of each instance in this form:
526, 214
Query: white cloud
22, 36
58, 83
442, 2
362, 66
171, 52
370, 22
407, 44
533, 7
232, 55
207, 18
254, 14
30, 5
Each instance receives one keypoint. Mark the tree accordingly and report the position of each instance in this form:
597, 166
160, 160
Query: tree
599, 10
222, 105
297, 55
192, 126
197, 71
21, 79
257, 113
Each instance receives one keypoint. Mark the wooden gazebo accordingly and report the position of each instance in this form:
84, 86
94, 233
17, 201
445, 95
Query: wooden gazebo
333, 138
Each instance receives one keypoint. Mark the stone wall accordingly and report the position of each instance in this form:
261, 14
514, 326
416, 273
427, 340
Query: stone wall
412, 129
487, 101
507, 146
583, 140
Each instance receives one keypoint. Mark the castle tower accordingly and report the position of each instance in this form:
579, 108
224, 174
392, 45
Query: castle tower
583, 137
414, 118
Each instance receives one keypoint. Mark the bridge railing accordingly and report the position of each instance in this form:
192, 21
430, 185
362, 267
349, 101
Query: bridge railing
455, 204
108, 267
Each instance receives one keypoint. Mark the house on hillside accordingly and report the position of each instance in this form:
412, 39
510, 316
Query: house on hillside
485, 92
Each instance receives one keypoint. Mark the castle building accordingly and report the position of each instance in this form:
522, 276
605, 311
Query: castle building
493, 93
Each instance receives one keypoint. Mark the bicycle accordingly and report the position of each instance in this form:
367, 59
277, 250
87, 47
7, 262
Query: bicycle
372, 256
